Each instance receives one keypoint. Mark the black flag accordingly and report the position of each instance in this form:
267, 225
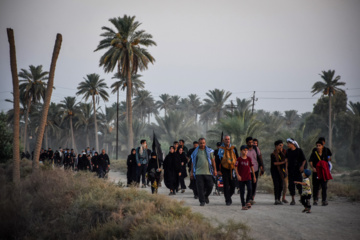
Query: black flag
156, 147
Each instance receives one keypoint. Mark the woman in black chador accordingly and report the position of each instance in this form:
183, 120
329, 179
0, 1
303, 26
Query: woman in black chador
154, 172
131, 167
172, 170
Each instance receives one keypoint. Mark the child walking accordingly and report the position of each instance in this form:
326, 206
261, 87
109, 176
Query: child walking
306, 191
243, 166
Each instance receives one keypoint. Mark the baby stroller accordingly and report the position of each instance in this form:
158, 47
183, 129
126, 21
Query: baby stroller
219, 186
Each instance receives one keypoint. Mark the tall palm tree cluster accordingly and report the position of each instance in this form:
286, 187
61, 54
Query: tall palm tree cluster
79, 122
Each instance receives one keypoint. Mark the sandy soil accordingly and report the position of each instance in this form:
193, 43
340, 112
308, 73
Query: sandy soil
339, 220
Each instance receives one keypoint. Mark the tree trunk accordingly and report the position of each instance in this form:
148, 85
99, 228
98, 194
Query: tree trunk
46, 138
129, 113
47, 100
26, 124
330, 127
88, 140
73, 144
16, 93
117, 123
96, 127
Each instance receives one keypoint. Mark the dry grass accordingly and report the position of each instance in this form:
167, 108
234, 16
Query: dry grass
265, 184
55, 204
346, 185
118, 165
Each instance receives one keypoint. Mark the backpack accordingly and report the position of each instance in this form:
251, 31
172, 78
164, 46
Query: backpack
229, 158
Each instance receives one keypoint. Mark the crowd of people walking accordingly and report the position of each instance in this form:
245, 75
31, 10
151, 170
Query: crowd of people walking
236, 170
87, 160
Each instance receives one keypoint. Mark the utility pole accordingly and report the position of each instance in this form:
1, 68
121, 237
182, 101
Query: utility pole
117, 124
253, 104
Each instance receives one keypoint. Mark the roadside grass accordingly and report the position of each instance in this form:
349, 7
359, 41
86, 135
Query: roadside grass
58, 204
118, 165
346, 185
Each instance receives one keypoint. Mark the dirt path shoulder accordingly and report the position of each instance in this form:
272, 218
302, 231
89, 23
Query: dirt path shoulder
339, 220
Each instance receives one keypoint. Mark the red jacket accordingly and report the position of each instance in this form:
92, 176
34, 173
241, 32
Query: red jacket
322, 169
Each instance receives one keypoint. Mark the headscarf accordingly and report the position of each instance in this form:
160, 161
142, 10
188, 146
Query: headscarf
290, 140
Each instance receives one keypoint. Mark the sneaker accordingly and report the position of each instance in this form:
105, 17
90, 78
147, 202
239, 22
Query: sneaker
305, 210
315, 203
292, 203
285, 201
278, 202
182, 190
202, 204
207, 200
308, 211
228, 203
325, 203
252, 202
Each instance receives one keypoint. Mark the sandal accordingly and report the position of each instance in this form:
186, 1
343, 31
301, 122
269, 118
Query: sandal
244, 208
248, 205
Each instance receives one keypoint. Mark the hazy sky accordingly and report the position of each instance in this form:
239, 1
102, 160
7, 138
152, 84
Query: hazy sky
276, 48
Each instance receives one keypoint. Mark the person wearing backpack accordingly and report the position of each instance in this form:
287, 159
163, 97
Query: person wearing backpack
227, 155
256, 159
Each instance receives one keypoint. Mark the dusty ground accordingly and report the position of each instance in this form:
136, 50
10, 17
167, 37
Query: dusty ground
339, 220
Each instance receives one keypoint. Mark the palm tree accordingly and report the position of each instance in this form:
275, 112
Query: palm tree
95, 87
41, 129
238, 126
32, 86
85, 119
107, 122
175, 125
291, 117
15, 81
125, 51
122, 83
216, 101
69, 107
142, 102
175, 100
195, 105
137, 84
165, 102
243, 105
52, 123
330, 86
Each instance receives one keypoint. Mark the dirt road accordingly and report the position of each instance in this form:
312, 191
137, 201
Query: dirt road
339, 220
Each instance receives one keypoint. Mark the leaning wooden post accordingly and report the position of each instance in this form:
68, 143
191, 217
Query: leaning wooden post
16, 92
41, 129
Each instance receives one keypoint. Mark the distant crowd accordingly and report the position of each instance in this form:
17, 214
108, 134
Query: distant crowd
229, 169
87, 160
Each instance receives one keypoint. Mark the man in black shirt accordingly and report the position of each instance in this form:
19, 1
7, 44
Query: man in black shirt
295, 162
319, 154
